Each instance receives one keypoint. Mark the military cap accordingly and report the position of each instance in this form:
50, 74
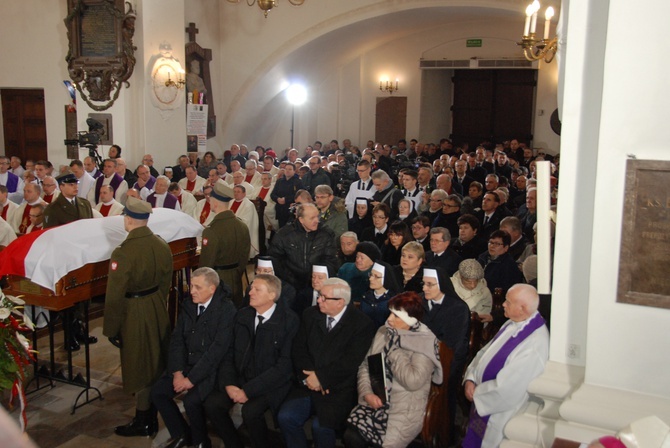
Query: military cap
222, 192
68, 178
137, 208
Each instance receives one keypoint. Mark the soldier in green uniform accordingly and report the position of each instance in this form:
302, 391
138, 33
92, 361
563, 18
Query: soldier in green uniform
136, 317
67, 208
226, 242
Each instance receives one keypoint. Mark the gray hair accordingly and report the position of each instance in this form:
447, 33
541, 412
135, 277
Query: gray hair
446, 235
441, 194
272, 282
251, 163
341, 288
209, 274
381, 175
349, 234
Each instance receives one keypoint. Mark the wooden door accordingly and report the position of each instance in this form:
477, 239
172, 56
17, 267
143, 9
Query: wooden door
24, 121
391, 119
493, 105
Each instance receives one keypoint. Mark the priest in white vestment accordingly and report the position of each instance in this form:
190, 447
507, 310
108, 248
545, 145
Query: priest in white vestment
187, 201
245, 210
238, 179
108, 206
269, 215
497, 379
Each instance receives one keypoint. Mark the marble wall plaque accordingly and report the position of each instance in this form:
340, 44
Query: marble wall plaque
644, 277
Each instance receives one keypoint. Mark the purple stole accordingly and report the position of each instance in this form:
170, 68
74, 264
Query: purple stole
149, 185
169, 202
477, 424
12, 182
116, 181
97, 174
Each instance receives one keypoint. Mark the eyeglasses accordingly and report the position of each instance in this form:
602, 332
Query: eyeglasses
322, 297
378, 217
435, 200
375, 276
428, 284
495, 243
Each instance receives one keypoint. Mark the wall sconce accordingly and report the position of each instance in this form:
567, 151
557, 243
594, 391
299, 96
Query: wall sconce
536, 49
387, 86
177, 83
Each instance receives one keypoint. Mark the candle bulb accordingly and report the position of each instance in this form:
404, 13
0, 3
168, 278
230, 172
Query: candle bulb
526, 26
548, 15
533, 19
396, 83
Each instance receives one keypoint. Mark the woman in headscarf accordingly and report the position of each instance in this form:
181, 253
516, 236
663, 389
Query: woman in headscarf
357, 273
398, 235
411, 361
383, 286
362, 217
470, 285
406, 211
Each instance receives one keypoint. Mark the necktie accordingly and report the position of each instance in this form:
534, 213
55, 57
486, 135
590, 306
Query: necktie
331, 320
260, 321
201, 309
486, 220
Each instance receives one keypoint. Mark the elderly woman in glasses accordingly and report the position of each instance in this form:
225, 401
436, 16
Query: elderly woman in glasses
411, 361
383, 286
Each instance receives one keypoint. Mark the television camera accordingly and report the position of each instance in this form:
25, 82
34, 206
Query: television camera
90, 140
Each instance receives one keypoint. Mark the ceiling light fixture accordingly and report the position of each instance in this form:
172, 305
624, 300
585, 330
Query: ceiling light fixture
267, 5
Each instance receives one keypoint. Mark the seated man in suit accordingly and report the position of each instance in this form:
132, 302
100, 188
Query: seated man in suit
330, 345
199, 342
257, 370
440, 254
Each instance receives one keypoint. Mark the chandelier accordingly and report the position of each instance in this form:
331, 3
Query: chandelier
267, 5
535, 49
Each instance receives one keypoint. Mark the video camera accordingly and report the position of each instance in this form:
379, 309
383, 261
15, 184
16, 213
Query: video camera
90, 139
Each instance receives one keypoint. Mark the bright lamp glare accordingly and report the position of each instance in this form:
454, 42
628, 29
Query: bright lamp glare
296, 94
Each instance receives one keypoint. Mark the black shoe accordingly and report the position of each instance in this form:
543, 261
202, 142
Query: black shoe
72, 345
140, 426
80, 334
180, 442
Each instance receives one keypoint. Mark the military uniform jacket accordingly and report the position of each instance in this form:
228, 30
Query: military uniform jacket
61, 211
259, 361
142, 262
199, 343
225, 248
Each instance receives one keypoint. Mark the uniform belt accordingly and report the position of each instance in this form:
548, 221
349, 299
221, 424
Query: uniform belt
138, 294
225, 267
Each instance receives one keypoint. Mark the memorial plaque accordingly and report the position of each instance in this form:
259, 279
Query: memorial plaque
101, 54
645, 238
98, 32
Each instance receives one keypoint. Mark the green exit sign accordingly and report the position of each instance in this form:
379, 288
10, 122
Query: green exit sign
473, 43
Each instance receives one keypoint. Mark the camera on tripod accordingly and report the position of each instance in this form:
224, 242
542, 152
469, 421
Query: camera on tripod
90, 139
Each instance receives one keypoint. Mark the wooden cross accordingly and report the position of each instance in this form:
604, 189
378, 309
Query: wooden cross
192, 31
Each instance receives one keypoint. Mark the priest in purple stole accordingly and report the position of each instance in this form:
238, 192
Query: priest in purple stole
497, 379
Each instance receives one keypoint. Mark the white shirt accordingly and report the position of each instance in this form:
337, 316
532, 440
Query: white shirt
358, 190
160, 200
266, 315
336, 317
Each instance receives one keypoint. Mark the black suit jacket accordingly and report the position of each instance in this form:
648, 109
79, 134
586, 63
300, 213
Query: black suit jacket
198, 344
465, 185
449, 261
370, 235
335, 357
491, 226
259, 360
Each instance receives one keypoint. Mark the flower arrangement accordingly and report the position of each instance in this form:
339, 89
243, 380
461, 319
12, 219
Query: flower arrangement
15, 349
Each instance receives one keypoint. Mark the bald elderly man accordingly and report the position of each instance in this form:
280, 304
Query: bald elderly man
497, 379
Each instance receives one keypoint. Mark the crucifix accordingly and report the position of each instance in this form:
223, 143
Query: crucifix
192, 31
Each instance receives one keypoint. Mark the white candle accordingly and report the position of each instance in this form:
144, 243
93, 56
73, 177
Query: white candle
548, 15
533, 19
543, 208
526, 26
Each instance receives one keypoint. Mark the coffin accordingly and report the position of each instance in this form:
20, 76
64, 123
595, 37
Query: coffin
59, 267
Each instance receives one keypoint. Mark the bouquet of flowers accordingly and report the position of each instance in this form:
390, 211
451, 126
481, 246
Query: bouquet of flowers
15, 349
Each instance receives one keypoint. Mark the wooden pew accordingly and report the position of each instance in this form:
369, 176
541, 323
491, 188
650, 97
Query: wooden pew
435, 431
